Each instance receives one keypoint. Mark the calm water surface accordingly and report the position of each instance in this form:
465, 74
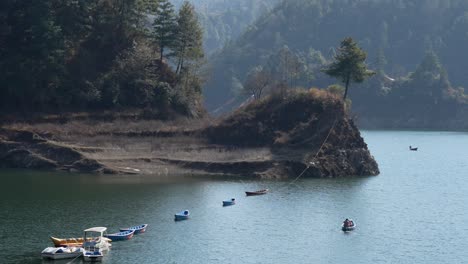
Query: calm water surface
416, 211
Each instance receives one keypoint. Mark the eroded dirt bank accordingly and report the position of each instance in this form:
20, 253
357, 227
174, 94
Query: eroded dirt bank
278, 137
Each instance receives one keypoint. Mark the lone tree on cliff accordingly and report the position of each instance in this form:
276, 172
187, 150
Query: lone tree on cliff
348, 64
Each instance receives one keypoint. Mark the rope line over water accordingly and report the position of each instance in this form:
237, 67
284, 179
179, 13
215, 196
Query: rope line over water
316, 154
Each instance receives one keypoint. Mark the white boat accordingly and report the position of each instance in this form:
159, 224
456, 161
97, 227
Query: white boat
93, 256
184, 215
62, 252
95, 244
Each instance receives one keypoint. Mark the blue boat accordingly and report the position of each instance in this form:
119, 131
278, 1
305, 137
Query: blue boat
124, 235
184, 215
138, 229
229, 202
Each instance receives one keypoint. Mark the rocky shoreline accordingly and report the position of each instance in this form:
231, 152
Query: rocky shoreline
306, 132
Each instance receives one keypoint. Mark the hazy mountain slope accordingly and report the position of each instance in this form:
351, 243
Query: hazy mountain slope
225, 20
402, 30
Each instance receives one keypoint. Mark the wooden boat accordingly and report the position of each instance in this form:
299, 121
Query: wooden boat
138, 229
93, 256
413, 149
184, 215
62, 252
350, 227
124, 235
67, 242
229, 202
259, 192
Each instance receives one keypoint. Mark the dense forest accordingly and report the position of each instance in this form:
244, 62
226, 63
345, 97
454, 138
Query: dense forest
416, 48
225, 20
69, 55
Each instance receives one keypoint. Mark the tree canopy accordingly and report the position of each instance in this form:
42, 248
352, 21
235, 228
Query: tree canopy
349, 64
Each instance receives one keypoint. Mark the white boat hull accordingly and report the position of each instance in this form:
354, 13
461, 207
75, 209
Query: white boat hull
58, 253
89, 256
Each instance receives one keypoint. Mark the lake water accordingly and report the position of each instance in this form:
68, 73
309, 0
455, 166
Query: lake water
415, 211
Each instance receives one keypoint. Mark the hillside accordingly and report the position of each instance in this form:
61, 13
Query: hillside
223, 21
396, 35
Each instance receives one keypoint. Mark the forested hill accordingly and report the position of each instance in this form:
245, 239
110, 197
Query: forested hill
225, 20
68, 55
396, 34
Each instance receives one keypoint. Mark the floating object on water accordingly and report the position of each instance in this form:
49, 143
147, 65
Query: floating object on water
67, 242
93, 256
348, 225
413, 149
94, 239
138, 229
229, 202
124, 235
62, 252
184, 215
259, 192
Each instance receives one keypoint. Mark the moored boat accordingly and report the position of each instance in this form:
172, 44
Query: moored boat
184, 215
67, 242
94, 239
348, 225
93, 256
138, 229
62, 252
124, 235
229, 202
259, 192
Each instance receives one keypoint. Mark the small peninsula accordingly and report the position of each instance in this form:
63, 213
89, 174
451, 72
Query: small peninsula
276, 137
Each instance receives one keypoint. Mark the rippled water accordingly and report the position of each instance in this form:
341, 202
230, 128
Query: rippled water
414, 212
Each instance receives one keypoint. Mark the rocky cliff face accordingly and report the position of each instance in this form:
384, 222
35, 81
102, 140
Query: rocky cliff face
303, 130
278, 137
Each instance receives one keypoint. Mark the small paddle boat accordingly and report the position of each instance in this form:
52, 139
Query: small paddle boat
348, 225
124, 235
229, 202
62, 252
138, 229
259, 192
184, 215
93, 256
95, 240
413, 149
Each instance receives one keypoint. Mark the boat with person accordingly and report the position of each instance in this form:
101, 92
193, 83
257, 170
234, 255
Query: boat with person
348, 225
184, 215
259, 192
124, 235
232, 201
62, 252
138, 229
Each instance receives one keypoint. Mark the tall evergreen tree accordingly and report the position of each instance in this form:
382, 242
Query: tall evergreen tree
189, 38
164, 26
349, 64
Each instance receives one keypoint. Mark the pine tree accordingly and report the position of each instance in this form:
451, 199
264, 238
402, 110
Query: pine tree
349, 64
164, 26
189, 38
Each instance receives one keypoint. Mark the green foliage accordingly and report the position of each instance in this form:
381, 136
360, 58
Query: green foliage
188, 42
84, 55
349, 64
164, 26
